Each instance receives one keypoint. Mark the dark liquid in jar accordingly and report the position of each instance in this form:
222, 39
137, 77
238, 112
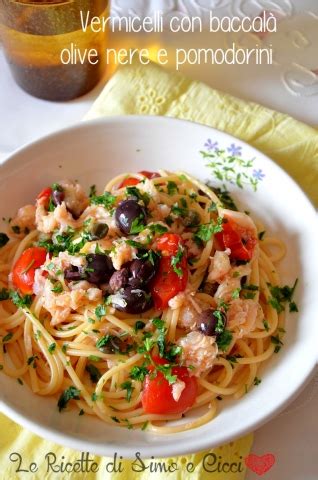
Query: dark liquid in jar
35, 33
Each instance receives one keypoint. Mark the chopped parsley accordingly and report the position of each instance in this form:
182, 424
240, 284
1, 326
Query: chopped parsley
7, 337
93, 372
133, 243
94, 358
172, 352
224, 339
4, 294
166, 370
161, 327
293, 307
205, 232
157, 228
179, 211
249, 291
57, 288
250, 286
266, 326
137, 225
135, 192
236, 293
37, 335
233, 358
138, 373
129, 389
115, 419
68, 241
220, 324
3, 239
145, 425
213, 207
32, 360
172, 188
107, 200
139, 325
20, 301
70, 393
282, 295
257, 381
51, 348
103, 341
175, 261
277, 342
92, 191
225, 198
150, 255
129, 424
100, 311
169, 220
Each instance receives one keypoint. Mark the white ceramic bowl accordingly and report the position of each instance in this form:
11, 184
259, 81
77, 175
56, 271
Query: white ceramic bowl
94, 152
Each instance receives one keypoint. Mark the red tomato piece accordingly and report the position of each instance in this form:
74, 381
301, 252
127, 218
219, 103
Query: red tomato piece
44, 196
168, 244
24, 268
239, 240
167, 283
157, 392
149, 175
130, 181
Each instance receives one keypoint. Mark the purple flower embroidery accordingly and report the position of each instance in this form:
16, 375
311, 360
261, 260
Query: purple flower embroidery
258, 174
235, 150
209, 145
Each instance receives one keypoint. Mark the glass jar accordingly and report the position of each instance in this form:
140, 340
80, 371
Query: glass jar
34, 35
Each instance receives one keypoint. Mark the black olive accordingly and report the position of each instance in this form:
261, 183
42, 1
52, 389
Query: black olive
74, 274
58, 197
142, 271
132, 300
208, 322
99, 231
192, 219
119, 279
127, 212
99, 268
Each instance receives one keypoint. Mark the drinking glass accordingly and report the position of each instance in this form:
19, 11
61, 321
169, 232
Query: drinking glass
35, 33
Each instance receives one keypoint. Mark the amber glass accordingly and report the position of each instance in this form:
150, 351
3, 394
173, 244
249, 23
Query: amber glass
35, 32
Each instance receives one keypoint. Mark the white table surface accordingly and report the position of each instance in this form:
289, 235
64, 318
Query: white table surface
289, 86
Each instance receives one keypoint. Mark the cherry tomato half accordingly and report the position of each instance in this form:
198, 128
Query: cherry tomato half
44, 196
157, 392
168, 244
239, 240
167, 282
130, 181
24, 268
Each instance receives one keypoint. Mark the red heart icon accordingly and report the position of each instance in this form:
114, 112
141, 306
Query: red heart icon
260, 464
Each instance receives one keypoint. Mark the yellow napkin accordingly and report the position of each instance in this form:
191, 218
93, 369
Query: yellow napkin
151, 90
15, 441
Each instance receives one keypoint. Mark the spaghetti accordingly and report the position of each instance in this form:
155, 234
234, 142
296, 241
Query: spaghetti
140, 304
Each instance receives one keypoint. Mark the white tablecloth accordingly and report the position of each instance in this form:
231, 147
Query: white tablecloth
289, 86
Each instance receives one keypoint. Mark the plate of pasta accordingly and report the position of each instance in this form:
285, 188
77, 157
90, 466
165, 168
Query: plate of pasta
157, 287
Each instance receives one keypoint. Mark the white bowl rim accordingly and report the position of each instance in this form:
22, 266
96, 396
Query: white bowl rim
203, 442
